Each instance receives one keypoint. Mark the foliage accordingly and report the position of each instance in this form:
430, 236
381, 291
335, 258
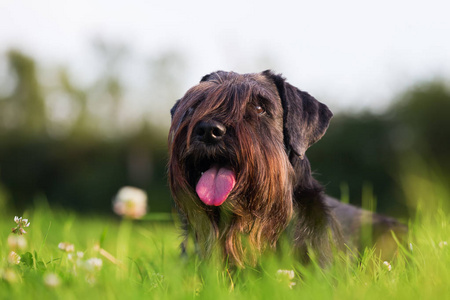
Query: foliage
371, 149
61, 138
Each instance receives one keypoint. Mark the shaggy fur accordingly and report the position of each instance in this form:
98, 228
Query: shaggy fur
265, 126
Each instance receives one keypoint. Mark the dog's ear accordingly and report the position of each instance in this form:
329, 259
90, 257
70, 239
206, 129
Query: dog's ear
305, 119
206, 77
174, 108
217, 76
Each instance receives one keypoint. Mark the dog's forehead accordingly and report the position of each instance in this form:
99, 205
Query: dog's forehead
228, 94
265, 83
256, 81
251, 84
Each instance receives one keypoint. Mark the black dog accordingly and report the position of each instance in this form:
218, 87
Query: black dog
240, 178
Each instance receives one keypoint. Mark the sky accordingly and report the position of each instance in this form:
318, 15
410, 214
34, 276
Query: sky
350, 54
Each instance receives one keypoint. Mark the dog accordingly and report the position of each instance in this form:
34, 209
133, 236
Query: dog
240, 178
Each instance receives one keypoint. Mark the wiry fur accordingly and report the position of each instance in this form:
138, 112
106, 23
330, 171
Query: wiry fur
274, 186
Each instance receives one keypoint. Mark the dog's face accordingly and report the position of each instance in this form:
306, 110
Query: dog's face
224, 134
231, 140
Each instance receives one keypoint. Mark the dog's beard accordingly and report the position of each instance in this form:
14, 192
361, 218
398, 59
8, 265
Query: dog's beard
256, 208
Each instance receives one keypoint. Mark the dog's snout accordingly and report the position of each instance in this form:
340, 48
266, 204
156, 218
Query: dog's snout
209, 131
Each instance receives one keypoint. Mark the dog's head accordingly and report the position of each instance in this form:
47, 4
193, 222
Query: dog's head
231, 144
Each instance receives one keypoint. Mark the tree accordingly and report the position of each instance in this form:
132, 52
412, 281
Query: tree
23, 111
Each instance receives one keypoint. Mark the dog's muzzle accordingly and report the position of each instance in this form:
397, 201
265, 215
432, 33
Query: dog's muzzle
216, 180
209, 132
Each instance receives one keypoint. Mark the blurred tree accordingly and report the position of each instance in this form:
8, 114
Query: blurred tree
357, 151
83, 125
422, 123
23, 111
85, 165
166, 74
108, 88
368, 148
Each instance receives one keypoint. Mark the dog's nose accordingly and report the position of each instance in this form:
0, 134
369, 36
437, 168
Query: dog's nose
209, 131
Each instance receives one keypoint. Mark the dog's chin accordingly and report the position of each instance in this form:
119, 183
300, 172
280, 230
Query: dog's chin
212, 179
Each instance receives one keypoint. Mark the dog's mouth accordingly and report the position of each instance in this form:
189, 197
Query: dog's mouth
215, 184
213, 180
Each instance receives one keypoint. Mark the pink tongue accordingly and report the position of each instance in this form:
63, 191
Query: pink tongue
215, 185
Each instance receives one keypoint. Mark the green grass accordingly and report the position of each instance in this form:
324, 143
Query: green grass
146, 262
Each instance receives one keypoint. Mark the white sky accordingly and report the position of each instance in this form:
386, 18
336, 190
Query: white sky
347, 53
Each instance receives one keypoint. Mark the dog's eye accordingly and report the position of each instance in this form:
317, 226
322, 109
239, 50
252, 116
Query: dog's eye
260, 110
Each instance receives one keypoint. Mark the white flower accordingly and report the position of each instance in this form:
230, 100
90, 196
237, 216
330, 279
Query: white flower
19, 221
79, 262
442, 244
94, 264
9, 275
286, 276
16, 242
130, 202
387, 265
52, 280
20, 225
90, 278
13, 258
67, 247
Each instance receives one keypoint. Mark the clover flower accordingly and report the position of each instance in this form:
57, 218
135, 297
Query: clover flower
66, 247
13, 258
52, 280
130, 202
387, 265
94, 264
286, 276
79, 254
16, 242
9, 275
21, 223
443, 244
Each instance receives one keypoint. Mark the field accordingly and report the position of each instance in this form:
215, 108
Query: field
124, 259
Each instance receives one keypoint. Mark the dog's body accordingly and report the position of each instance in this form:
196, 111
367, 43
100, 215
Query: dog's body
239, 174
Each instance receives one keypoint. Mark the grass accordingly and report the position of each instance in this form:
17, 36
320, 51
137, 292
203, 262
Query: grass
140, 259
